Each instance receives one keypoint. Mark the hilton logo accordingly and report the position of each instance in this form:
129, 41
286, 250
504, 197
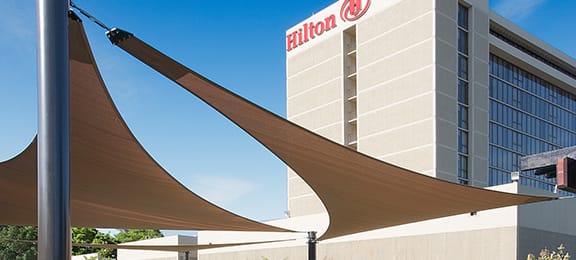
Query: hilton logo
350, 11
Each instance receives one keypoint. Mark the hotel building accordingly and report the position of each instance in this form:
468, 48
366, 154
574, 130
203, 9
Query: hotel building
445, 88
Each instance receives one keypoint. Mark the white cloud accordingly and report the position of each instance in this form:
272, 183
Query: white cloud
517, 9
222, 190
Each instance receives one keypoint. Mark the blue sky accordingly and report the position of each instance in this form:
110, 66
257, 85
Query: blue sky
239, 44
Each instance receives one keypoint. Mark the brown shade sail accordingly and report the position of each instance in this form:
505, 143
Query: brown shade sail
177, 248
114, 183
359, 192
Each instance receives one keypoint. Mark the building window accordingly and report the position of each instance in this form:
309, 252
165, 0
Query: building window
462, 41
463, 17
463, 116
463, 169
463, 96
462, 92
462, 66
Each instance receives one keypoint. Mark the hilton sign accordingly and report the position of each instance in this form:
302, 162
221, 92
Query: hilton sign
350, 11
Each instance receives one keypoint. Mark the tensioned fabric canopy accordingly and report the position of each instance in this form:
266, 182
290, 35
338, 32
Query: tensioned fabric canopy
114, 182
177, 248
359, 192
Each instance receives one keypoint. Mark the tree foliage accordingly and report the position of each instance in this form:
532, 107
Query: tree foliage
12, 248
92, 236
83, 236
129, 235
105, 238
18, 242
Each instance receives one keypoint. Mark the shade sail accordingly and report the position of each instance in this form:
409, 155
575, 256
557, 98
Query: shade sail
177, 248
359, 192
114, 183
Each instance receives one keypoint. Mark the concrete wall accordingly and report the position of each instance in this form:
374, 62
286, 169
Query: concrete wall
287, 253
495, 244
546, 225
314, 100
498, 243
127, 254
396, 85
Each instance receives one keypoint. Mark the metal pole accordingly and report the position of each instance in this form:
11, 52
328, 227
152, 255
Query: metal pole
312, 245
53, 131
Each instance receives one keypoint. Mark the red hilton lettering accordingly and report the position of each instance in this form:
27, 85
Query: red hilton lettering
309, 31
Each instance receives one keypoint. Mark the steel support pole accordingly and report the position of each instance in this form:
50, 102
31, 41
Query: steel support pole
312, 245
53, 131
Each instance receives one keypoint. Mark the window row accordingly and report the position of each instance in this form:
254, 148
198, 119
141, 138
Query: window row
518, 142
528, 51
463, 121
503, 159
531, 104
538, 181
530, 125
506, 162
531, 83
497, 177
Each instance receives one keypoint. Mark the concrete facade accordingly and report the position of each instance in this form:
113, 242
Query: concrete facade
405, 55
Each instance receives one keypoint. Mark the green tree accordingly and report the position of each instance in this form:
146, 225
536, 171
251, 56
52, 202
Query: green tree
92, 236
11, 248
19, 242
129, 235
105, 238
83, 236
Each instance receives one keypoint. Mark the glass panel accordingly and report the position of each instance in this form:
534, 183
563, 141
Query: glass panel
462, 117
462, 92
462, 66
462, 141
462, 41
463, 167
462, 16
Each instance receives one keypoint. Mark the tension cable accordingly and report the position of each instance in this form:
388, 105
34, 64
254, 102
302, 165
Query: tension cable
89, 16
